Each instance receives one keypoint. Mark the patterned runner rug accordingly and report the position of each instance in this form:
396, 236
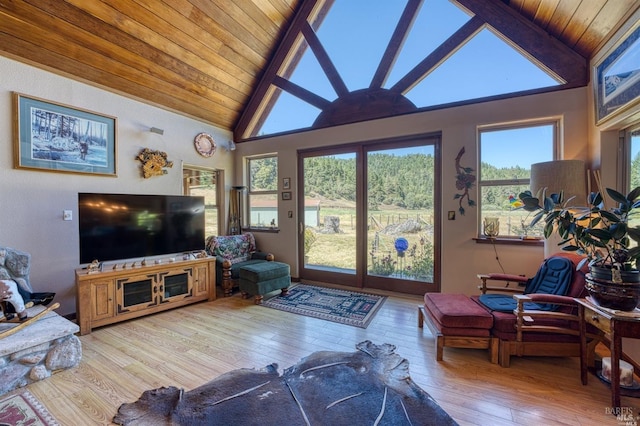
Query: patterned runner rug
343, 306
25, 409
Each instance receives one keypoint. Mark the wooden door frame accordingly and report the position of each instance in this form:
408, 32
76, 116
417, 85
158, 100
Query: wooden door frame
360, 279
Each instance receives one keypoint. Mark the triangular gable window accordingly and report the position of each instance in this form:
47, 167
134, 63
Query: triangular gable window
497, 69
355, 60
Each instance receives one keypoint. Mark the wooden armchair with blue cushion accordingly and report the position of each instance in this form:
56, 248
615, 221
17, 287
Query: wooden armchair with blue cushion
535, 316
232, 252
539, 316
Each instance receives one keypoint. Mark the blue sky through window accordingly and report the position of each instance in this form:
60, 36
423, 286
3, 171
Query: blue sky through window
429, 31
355, 34
485, 66
506, 148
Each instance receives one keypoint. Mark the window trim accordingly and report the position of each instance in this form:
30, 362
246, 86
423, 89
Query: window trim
219, 198
555, 122
247, 210
624, 157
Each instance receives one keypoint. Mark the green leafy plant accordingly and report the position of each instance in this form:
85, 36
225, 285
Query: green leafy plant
384, 266
422, 261
310, 238
603, 235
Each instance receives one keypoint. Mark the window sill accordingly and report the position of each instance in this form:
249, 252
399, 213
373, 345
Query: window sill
510, 241
268, 230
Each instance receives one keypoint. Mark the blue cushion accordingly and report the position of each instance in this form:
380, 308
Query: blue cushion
553, 277
505, 303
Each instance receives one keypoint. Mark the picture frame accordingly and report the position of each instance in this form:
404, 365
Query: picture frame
53, 137
617, 77
286, 183
286, 196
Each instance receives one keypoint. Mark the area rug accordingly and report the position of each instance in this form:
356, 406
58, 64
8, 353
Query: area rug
343, 306
24, 409
371, 386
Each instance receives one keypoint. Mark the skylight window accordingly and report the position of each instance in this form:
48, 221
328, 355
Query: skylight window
388, 58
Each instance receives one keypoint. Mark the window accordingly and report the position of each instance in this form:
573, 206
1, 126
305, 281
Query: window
633, 137
404, 53
506, 155
204, 182
263, 192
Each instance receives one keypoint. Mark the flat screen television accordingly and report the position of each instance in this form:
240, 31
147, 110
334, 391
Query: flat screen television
127, 226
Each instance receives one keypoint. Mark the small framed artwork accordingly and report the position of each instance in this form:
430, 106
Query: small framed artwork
53, 137
286, 195
286, 183
617, 76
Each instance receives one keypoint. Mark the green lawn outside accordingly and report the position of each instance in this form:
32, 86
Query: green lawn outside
338, 249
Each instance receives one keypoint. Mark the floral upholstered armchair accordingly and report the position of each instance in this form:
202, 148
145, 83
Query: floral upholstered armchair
232, 252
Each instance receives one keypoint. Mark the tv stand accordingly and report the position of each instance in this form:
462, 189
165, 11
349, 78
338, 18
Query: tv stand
114, 295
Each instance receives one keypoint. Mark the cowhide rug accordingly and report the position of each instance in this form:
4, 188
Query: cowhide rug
368, 387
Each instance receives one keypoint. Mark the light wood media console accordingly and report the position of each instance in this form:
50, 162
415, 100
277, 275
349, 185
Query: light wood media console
110, 296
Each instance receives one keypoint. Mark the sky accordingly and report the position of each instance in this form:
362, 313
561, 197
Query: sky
355, 34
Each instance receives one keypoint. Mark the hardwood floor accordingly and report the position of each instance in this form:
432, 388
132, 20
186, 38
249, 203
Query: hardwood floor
190, 346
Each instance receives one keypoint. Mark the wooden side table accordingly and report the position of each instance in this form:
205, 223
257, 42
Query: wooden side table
617, 326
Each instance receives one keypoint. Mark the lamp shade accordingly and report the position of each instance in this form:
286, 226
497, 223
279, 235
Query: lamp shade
561, 175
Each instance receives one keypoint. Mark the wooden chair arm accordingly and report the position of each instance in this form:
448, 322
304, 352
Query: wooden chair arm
492, 289
526, 319
507, 278
504, 277
263, 256
553, 299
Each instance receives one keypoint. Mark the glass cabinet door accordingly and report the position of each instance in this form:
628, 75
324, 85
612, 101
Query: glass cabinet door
176, 285
136, 292
143, 291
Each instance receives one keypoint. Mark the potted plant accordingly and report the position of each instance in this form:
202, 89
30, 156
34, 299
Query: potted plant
603, 235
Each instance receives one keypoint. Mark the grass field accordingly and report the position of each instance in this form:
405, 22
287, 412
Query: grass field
384, 227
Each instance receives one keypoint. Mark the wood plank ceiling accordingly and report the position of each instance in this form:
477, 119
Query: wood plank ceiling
204, 58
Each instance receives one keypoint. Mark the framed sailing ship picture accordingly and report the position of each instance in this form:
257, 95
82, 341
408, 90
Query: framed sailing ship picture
59, 138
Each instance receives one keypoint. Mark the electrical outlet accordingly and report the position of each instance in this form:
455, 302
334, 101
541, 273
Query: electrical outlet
67, 215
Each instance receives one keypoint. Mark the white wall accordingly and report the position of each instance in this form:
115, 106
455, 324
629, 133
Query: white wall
462, 257
33, 201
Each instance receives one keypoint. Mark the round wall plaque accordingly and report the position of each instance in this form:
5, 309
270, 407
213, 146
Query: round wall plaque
205, 145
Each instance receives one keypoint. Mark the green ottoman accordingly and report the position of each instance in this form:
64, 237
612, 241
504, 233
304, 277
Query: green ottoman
261, 278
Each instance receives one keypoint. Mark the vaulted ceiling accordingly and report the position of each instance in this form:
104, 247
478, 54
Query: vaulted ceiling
205, 58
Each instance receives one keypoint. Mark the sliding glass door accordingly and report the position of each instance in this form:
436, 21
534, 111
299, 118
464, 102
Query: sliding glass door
330, 220
369, 215
401, 217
